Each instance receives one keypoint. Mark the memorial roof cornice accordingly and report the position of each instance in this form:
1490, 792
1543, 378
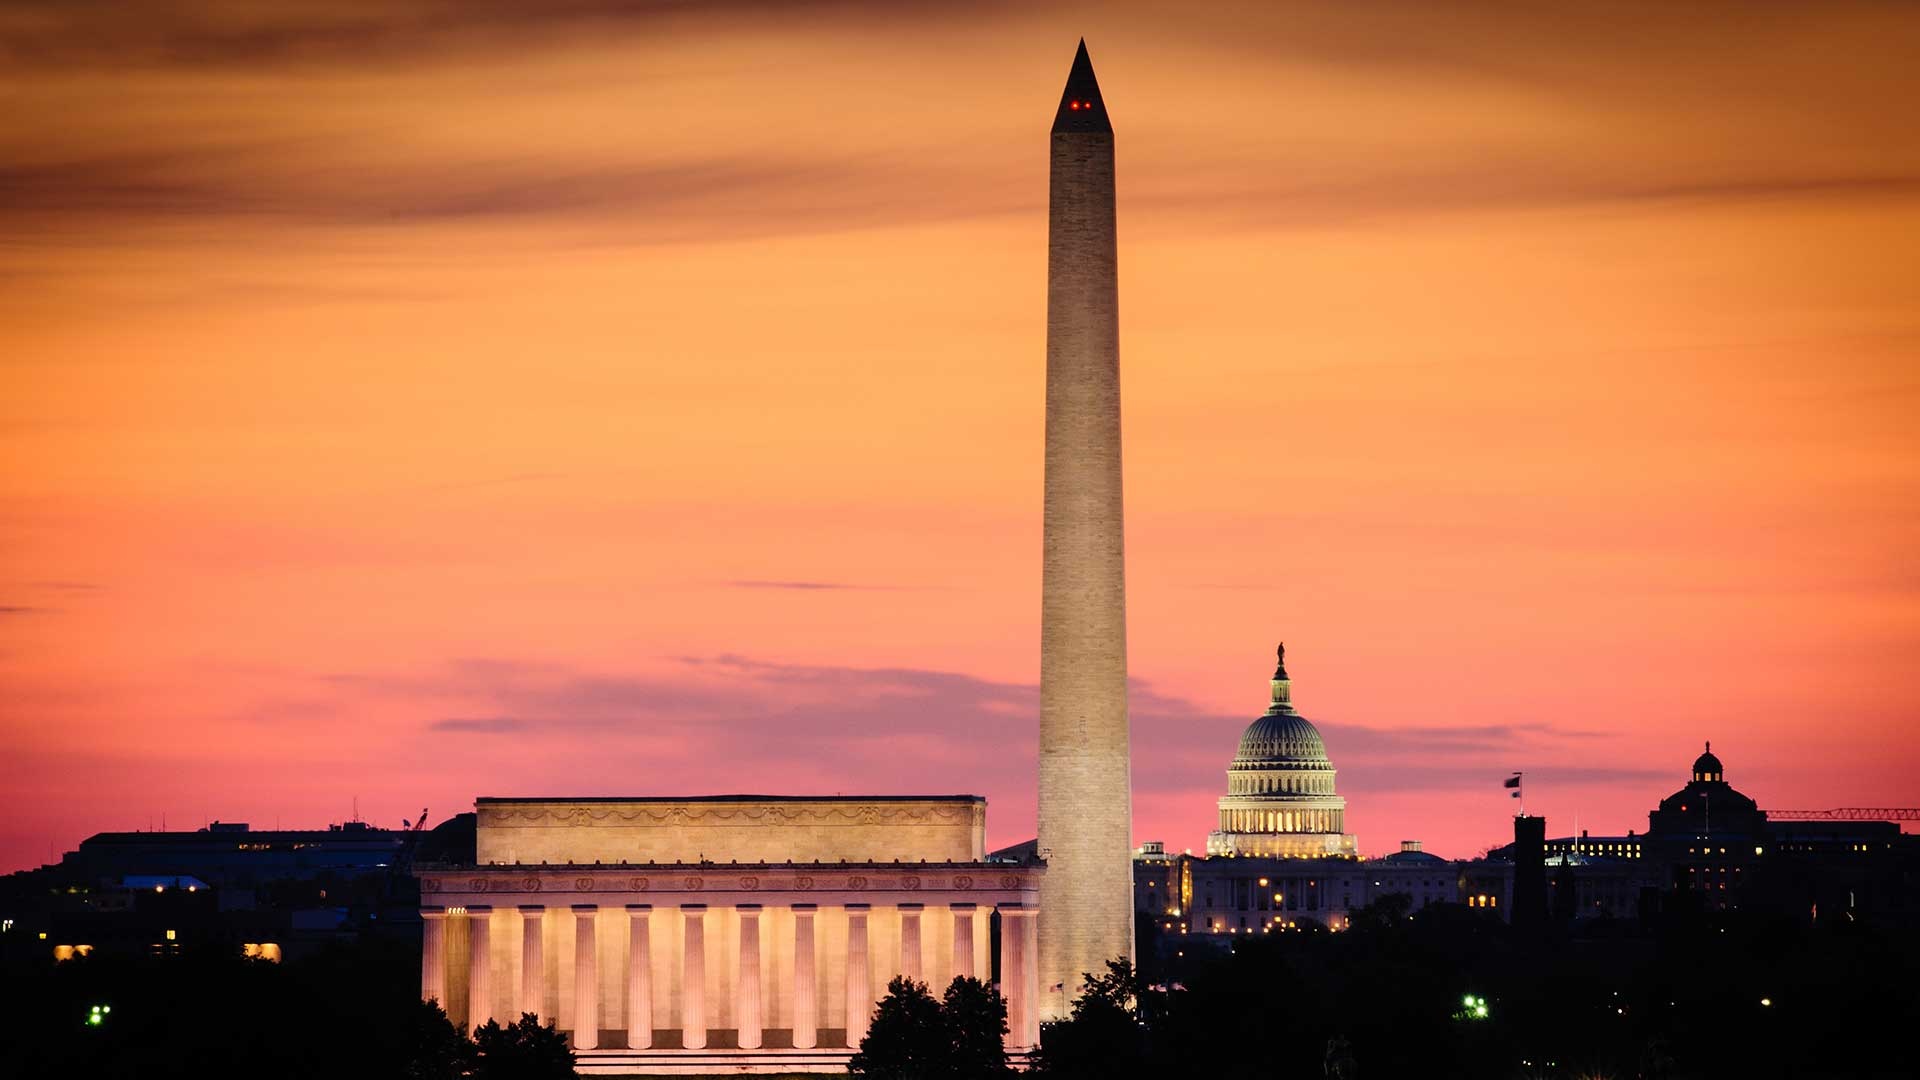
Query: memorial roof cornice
729, 798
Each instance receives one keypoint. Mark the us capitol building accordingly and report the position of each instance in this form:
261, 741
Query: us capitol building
1280, 799
1281, 861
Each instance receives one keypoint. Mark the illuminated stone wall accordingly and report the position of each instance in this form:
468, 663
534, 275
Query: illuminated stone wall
745, 829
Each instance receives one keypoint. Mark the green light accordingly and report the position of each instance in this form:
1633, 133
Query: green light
1480, 1011
1467, 1001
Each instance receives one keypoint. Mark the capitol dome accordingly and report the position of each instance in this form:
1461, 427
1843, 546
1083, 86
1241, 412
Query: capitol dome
1280, 797
1281, 739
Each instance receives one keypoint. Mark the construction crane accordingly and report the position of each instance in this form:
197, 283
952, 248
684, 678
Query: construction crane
403, 862
1849, 813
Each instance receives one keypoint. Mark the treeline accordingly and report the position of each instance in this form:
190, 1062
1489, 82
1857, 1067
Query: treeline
1443, 992
349, 1011
1454, 992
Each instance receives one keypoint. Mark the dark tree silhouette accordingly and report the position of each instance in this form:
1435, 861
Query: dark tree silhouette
907, 1039
1103, 1036
434, 1048
976, 1020
523, 1050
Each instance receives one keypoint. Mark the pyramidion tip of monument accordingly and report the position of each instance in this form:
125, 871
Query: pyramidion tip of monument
1082, 109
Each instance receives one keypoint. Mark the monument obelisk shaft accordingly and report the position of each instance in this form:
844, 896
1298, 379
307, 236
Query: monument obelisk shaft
1085, 825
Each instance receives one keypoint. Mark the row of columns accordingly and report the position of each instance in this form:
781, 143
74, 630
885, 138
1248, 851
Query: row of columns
1259, 821
1019, 971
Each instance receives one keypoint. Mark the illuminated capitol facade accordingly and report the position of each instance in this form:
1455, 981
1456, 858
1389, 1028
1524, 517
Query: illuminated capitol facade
1280, 799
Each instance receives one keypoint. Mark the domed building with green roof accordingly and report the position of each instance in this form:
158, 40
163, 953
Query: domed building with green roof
1280, 799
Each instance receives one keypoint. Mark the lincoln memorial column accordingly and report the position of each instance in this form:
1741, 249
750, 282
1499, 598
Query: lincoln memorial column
433, 955
806, 1010
693, 978
859, 996
1017, 975
746, 987
1029, 925
639, 976
533, 959
963, 941
586, 978
910, 942
479, 965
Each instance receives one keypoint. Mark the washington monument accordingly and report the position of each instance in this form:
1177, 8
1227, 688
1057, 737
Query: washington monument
1086, 895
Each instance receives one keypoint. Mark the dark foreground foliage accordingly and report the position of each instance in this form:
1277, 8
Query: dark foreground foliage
350, 1011
523, 1050
1696, 997
961, 1036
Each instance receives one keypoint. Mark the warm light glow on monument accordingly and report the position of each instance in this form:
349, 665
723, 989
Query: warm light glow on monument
1084, 819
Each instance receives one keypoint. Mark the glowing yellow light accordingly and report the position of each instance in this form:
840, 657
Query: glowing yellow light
1767, 1001
170, 935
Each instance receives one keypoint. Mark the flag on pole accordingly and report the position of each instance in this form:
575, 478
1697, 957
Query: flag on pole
1513, 783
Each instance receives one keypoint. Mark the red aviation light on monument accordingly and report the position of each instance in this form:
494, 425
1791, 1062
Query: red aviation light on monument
1081, 106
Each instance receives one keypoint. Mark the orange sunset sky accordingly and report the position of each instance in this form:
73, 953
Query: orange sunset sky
421, 400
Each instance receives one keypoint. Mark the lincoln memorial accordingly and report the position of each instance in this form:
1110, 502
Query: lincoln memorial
724, 933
